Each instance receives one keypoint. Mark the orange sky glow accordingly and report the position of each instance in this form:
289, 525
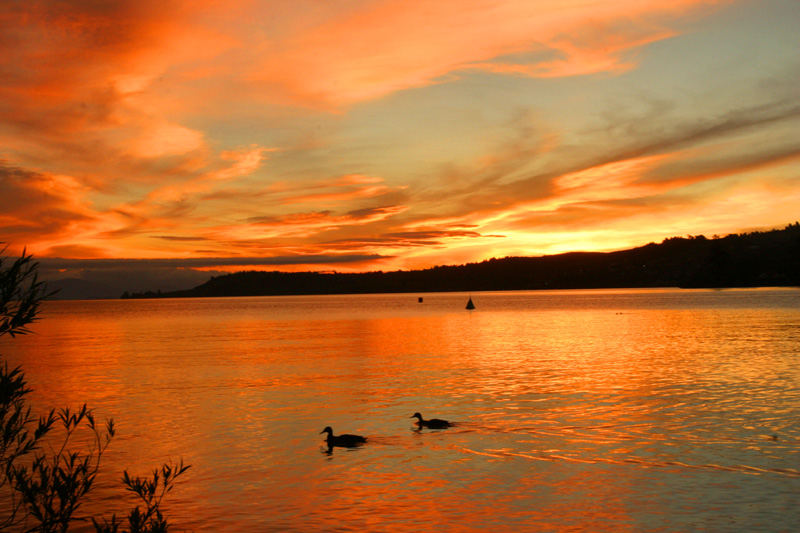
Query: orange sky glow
385, 134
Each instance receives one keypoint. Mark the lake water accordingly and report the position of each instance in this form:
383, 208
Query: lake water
620, 411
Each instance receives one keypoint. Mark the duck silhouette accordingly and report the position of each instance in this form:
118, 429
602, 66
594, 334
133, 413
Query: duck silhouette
433, 423
344, 441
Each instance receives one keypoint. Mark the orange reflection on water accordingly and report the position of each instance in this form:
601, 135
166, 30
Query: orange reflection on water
589, 418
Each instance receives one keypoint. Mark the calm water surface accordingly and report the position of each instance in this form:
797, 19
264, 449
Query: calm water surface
640, 411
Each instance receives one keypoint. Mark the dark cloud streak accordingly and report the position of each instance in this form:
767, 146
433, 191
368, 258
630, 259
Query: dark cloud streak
200, 262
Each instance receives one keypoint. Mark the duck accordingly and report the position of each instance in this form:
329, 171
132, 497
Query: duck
433, 423
344, 440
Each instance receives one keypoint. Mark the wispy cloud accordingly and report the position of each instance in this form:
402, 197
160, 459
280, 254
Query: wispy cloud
56, 263
44, 205
416, 43
301, 225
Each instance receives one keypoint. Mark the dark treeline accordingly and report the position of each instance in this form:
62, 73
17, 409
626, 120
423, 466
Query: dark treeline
758, 259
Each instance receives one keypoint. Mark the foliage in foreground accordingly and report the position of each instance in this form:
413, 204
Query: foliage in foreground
21, 293
43, 481
151, 491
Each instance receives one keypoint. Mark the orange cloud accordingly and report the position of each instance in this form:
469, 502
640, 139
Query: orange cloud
121, 77
161, 138
79, 77
603, 53
328, 54
38, 207
335, 191
338, 197
245, 162
395, 45
302, 225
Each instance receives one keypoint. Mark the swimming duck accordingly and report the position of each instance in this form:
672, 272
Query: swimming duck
433, 423
345, 441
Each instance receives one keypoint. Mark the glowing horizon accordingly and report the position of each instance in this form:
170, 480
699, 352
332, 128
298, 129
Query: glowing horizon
384, 135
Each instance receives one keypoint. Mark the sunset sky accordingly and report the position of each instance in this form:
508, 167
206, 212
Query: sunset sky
357, 135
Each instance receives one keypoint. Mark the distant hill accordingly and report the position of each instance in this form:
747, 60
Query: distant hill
758, 259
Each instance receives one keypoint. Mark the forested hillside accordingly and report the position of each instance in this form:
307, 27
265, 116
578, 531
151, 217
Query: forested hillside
757, 259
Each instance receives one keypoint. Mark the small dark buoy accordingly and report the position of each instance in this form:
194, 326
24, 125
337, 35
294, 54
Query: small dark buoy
420, 299
470, 305
433, 423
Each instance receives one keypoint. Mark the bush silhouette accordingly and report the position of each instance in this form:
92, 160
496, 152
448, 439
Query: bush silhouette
43, 487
